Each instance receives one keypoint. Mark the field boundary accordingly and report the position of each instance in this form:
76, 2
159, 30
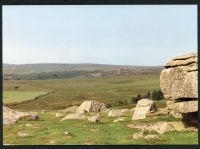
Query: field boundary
28, 100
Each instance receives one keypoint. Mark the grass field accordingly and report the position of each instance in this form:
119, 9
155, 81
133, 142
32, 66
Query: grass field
49, 130
76, 90
10, 97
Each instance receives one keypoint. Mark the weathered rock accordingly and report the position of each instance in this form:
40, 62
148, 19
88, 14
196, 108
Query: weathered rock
176, 114
59, 115
185, 106
179, 79
74, 116
95, 118
160, 111
71, 109
181, 62
178, 126
120, 119
139, 135
67, 133
91, 106
163, 111
159, 127
11, 116
132, 110
143, 107
162, 127
115, 113
152, 137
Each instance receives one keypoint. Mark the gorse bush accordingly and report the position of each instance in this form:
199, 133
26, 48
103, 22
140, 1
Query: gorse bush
156, 95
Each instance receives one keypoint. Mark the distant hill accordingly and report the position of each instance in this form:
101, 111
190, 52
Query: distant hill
59, 71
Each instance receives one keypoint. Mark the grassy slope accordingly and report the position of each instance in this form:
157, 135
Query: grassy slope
49, 130
75, 90
19, 96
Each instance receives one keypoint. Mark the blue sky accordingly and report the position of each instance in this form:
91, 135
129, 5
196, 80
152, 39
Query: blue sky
126, 34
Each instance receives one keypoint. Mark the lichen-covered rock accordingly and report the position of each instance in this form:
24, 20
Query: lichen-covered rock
11, 116
91, 106
143, 107
179, 78
185, 106
160, 127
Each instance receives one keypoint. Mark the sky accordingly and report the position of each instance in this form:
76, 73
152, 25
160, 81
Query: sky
145, 35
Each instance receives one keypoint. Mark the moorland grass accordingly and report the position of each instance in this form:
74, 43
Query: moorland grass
75, 90
50, 130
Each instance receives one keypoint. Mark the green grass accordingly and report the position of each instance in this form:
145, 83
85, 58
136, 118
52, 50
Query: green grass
76, 90
10, 97
49, 129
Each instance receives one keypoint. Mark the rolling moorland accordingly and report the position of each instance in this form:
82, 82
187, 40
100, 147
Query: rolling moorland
54, 87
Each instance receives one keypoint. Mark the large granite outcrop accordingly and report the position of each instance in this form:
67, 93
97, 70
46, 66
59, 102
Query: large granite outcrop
179, 78
179, 84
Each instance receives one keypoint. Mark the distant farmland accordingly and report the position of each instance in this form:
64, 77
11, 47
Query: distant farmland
75, 90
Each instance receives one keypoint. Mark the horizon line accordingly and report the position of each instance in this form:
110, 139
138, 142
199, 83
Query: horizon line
80, 63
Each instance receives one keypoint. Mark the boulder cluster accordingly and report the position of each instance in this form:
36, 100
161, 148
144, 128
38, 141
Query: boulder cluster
11, 116
179, 84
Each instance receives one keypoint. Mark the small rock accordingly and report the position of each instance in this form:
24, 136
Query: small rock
28, 125
67, 133
178, 126
95, 118
23, 134
176, 114
120, 119
151, 137
52, 141
59, 115
139, 135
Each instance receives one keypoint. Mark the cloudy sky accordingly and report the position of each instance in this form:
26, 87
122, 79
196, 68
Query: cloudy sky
126, 34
